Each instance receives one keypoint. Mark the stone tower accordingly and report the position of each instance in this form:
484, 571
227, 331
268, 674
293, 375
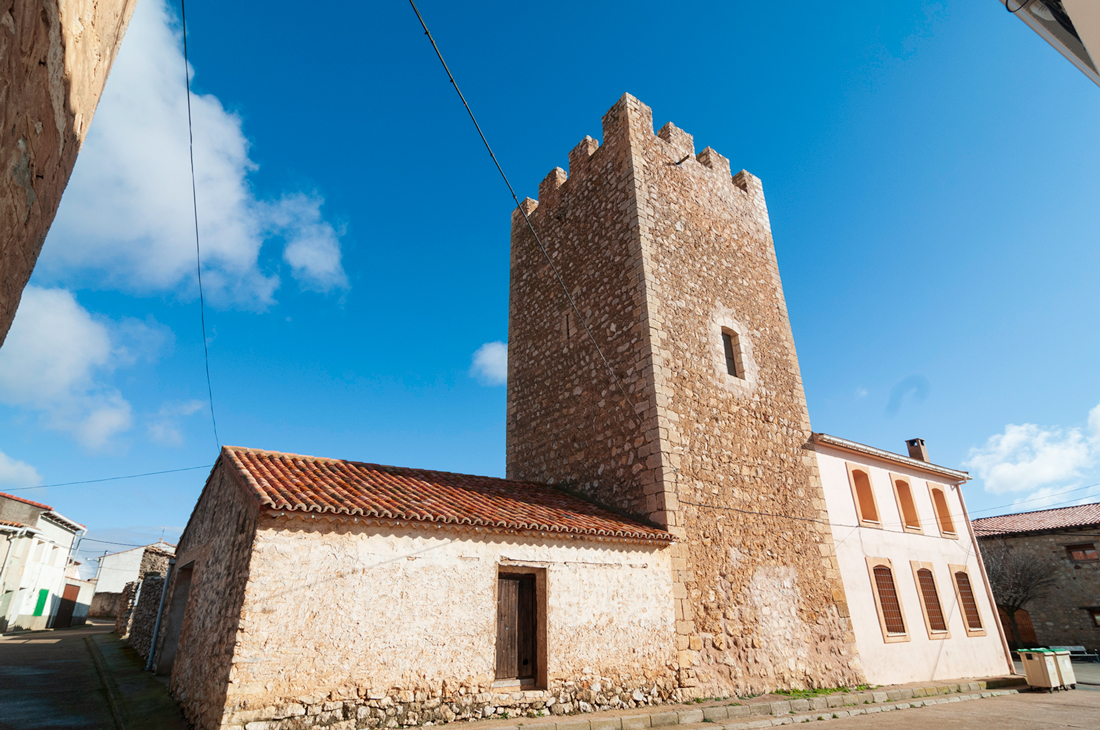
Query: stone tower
670, 261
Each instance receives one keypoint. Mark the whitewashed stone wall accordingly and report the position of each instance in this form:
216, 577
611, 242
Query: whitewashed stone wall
375, 626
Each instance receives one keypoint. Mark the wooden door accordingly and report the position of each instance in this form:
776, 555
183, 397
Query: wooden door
64, 617
517, 617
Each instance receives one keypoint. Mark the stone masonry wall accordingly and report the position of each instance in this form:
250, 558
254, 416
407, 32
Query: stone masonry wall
54, 60
144, 616
104, 605
217, 546
759, 599
1059, 616
126, 608
380, 626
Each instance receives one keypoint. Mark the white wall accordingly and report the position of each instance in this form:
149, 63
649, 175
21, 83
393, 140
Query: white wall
118, 569
44, 569
920, 658
330, 606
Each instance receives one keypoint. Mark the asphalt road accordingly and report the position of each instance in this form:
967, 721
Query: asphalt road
48, 680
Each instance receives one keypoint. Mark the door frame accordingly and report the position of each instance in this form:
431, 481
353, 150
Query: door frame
508, 569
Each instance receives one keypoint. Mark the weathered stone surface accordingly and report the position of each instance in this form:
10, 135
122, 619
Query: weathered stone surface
54, 61
662, 252
144, 615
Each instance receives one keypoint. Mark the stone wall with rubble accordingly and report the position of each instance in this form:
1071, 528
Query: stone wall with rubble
217, 546
54, 59
143, 617
125, 609
1061, 615
664, 249
387, 626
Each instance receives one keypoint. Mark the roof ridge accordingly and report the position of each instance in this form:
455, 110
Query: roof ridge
26, 501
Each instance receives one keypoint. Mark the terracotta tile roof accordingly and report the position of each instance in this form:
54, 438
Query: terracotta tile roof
1082, 515
305, 484
9, 523
25, 501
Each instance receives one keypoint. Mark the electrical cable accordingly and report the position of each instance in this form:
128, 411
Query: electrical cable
519, 207
195, 209
111, 479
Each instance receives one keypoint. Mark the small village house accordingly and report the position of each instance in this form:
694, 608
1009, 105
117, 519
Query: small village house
117, 569
1065, 612
36, 545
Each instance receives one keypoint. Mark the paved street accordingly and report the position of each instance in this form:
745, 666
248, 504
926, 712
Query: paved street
48, 679
1025, 711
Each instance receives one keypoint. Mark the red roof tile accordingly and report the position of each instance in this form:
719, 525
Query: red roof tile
25, 501
294, 483
1082, 515
9, 523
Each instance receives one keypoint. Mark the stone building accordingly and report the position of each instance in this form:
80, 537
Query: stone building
350, 591
1065, 540
666, 530
919, 599
54, 61
117, 569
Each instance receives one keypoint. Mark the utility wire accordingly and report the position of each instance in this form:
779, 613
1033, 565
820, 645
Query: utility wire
519, 207
195, 209
111, 479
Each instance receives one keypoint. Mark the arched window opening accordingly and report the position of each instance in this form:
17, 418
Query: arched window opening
908, 509
865, 497
930, 598
943, 514
966, 599
889, 605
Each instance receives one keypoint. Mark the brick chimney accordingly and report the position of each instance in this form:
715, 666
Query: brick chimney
917, 450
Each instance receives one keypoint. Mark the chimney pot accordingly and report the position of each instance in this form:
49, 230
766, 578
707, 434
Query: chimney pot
917, 450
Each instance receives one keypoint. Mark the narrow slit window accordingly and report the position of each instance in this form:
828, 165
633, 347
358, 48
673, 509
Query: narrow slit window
888, 601
909, 519
732, 346
568, 326
966, 599
943, 514
864, 495
931, 599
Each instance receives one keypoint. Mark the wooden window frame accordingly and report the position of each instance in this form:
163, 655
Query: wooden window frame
852, 468
918, 566
932, 487
894, 479
1086, 546
958, 597
887, 637
506, 569
737, 351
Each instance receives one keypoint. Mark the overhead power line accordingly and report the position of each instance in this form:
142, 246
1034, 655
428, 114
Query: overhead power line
110, 479
557, 275
195, 210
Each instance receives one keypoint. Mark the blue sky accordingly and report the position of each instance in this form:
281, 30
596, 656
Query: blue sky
929, 170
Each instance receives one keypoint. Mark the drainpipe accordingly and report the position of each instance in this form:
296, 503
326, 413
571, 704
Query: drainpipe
985, 579
160, 610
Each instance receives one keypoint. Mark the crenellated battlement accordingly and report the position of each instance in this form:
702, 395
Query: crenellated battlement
629, 122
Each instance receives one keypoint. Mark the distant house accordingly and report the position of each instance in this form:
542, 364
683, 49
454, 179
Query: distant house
1066, 541
36, 544
118, 569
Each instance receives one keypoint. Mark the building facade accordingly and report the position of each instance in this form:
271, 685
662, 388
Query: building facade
919, 599
117, 569
1065, 541
36, 544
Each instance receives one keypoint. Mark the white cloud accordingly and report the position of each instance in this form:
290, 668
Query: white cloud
126, 218
55, 358
1028, 457
164, 428
15, 473
490, 364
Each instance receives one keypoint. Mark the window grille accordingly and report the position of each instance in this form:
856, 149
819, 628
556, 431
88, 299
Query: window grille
888, 600
969, 605
931, 600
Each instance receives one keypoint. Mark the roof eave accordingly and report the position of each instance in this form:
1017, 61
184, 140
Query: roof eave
955, 475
